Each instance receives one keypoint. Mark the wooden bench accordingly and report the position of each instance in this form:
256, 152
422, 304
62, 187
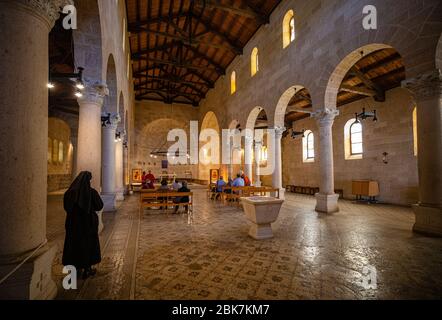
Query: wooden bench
163, 200
239, 192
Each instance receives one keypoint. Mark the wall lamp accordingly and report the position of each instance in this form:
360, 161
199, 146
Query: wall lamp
364, 115
105, 120
296, 134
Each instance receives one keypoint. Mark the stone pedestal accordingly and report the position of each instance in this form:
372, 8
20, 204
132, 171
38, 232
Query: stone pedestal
33, 280
277, 175
109, 193
261, 212
326, 199
427, 91
25, 27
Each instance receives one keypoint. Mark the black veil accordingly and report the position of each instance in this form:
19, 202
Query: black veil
79, 193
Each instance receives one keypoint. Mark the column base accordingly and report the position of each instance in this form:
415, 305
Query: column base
33, 280
327, 203
110, 202
428, 220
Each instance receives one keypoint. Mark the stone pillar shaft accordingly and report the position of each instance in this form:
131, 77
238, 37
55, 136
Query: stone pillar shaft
89, 132
119, 181
258, 147
427, 91
108, 164
277, 175
327, 200
25, 27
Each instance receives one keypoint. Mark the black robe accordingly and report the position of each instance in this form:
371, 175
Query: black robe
82, 244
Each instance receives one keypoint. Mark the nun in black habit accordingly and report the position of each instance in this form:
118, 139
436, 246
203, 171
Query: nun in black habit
82, 244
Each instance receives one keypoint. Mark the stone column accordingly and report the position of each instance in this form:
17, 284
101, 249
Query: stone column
89, 134
89, 131
248, 154
119, 168
326, 199
24, 30
427, 91
258, 147
108, 192
277, 175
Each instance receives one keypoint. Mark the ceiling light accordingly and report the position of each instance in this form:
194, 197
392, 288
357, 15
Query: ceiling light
78, 94
50, 85
80, 86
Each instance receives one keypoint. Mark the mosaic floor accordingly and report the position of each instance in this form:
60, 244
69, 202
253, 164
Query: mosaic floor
313, 256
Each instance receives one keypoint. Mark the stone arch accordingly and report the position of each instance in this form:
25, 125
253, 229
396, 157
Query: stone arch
337, 76
110, 101
122, 113
253, 116
210, 121
88, 39
234, 124
282, 104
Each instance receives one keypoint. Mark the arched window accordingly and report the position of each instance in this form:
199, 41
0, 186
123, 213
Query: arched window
60, 152
233, 82
415, 131
49, 150
55, 151
308, 146
288, 29
353, 140
254, 61
356, 147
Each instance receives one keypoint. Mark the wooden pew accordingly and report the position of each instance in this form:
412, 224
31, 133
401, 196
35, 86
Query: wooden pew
164, 200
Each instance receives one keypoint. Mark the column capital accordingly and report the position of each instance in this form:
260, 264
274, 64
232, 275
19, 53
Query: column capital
279, 131
114, 120
326, 117
49, 10
425, 86
94, 92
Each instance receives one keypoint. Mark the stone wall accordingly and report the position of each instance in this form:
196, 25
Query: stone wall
393, 133
59, 165
153, 121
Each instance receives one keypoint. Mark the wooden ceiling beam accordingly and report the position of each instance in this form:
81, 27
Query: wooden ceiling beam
242, 12
380, 92
210, 27
358, 90
186, 39
200, 94
169, 79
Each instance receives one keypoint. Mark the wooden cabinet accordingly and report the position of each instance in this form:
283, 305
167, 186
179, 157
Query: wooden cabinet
367, 188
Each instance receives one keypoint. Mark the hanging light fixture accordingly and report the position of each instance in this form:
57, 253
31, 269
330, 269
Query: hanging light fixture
296, 134
78, 94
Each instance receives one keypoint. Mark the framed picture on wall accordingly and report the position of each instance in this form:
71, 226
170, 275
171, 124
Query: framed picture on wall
214, 175
164, 164
137, 175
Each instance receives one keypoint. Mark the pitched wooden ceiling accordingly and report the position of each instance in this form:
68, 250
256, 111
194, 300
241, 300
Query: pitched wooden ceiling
181, 47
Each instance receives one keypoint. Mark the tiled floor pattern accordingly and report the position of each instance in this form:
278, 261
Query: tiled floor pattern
313, 256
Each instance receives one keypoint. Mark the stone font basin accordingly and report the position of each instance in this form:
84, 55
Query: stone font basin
261, 212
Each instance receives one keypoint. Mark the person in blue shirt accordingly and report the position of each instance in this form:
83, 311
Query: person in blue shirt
220, 184
238, 182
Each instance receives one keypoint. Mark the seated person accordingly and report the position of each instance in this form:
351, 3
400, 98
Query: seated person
219, 186
163, 188
238, 182
149, 180
246, 179
182, 199
176, 185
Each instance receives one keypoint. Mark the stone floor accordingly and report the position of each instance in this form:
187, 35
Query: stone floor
313, 256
